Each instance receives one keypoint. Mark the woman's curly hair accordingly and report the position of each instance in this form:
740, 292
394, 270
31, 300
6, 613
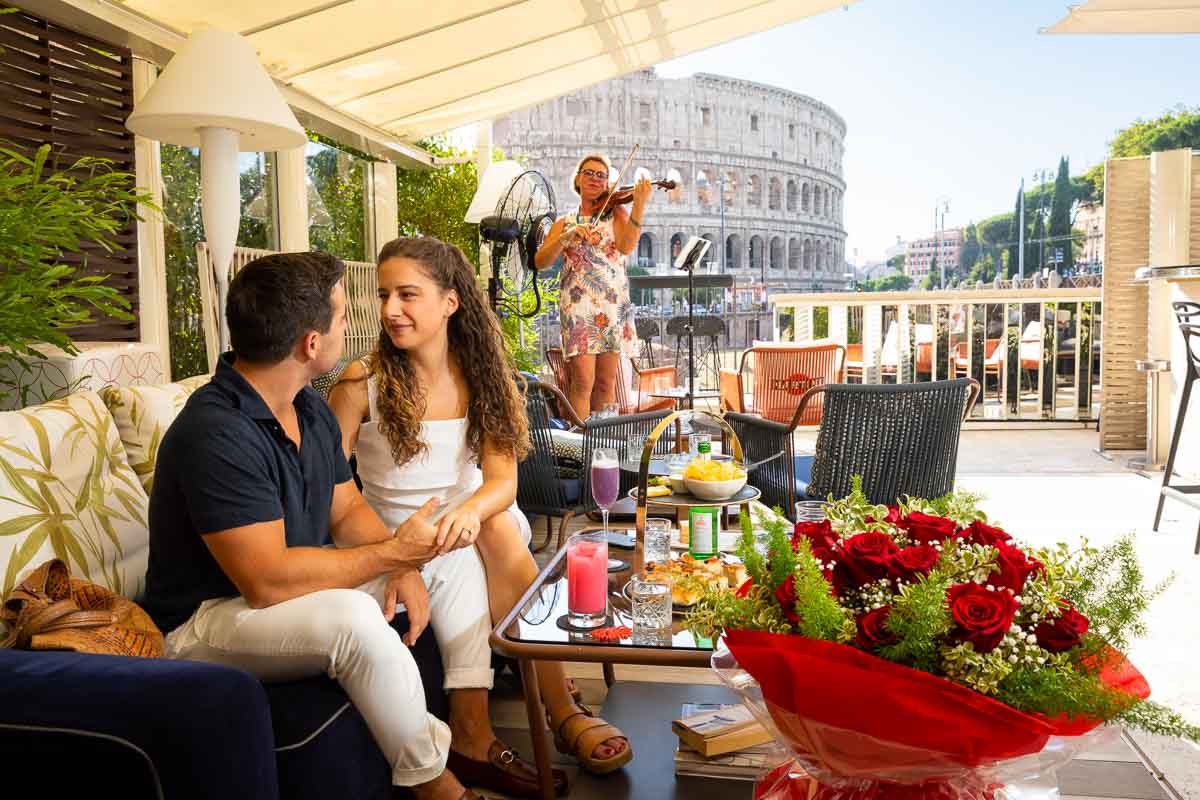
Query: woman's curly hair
497, 410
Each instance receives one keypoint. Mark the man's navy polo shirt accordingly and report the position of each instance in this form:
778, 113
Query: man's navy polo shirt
226, 462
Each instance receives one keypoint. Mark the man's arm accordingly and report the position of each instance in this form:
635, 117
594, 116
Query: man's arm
266, 571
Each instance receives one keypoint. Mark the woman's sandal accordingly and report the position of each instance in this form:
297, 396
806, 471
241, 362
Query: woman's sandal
579, 734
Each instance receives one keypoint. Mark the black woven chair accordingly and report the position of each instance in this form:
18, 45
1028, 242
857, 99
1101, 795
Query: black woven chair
901, 438
541, 487
647, 330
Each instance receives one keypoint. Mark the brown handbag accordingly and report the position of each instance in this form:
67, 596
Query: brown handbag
50, 610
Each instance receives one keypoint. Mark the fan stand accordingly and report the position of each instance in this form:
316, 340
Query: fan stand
691, 400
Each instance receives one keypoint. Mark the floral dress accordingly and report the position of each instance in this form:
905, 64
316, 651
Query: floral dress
597, 315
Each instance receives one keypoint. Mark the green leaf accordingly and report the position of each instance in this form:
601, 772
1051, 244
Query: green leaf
130, 503
86, 491
66, 547
43, 440
11, 527
24, 552
24, 489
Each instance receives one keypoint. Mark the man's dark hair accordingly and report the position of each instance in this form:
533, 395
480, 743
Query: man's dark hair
276, 299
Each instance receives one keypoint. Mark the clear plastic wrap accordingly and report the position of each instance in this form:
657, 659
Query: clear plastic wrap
839, 752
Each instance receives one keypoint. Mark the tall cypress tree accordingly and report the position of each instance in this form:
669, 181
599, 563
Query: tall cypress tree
1033, 250
1014, 237
970, 251
1060, 216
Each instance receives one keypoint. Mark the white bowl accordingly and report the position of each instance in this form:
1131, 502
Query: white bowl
715, 490
677, 483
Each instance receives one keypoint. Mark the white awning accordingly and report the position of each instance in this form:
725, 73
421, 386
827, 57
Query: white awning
418, 68
1130, 16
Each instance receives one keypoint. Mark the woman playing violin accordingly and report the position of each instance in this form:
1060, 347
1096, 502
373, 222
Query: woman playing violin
597, 315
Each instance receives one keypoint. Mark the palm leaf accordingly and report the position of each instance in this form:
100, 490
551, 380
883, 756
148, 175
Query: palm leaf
66, 546
24, 552
43, 440
88, 490
25, 490
131, 504
11, 527
106, 524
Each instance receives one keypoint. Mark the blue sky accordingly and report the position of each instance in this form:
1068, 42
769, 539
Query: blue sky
957, 98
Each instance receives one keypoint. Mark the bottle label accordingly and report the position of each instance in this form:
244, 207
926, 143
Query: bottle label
703, 525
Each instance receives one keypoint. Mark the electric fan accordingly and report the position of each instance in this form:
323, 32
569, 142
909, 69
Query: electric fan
513, 234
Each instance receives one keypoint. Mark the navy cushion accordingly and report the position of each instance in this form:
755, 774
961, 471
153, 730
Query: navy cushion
802, 470
572, 488
186, 728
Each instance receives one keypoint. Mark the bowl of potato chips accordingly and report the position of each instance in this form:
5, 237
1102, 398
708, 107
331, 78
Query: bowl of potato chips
710, 479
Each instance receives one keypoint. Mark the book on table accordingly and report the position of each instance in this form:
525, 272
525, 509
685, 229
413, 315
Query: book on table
712, 729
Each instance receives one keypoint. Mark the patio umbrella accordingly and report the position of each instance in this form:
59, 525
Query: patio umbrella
1130, 16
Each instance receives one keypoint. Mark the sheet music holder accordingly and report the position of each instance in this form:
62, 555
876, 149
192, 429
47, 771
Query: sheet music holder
689, 256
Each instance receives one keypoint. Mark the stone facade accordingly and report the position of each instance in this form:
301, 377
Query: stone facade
946, 245
775, 157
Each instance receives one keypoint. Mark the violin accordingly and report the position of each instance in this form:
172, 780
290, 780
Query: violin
620, 195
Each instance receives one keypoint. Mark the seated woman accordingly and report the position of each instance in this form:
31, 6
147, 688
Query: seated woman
435, 411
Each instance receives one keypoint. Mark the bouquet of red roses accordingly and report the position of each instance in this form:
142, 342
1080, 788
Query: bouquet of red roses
917, 651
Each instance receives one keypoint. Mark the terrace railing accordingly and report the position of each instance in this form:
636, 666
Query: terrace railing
1035, 351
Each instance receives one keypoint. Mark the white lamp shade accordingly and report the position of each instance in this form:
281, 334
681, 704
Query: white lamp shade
492, 186
216, 81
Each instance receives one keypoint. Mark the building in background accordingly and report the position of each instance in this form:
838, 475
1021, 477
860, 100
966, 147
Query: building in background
946, 245
767, 161
1089, 250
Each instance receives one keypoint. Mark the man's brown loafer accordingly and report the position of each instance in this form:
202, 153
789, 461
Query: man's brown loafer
503, 772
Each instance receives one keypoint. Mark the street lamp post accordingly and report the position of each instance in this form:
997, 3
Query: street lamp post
1041, 176
943, 203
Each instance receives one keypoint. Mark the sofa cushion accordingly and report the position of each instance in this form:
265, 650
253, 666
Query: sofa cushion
66, 490
143, 414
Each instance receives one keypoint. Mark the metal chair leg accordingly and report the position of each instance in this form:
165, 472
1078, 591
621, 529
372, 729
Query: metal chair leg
609, 676
1184, 396
562, 528
549, 536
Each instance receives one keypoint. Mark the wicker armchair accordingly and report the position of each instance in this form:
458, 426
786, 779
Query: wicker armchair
901, 438
781, 376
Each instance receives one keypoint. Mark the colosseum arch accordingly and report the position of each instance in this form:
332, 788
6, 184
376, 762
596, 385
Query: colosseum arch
754, 193
774, 194
732, 185
776, 252
675, 196
791, 195
677, 245
705, 193
756, 253
645, 250
710, 255
818, 193
733, 252
809, 255
795, 254
827, 205
829, 262
805, 198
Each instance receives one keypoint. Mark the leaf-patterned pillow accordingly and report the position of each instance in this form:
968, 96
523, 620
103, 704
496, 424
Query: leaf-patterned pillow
143, 414
67, 491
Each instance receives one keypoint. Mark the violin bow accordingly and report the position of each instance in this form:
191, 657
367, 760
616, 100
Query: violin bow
611, 192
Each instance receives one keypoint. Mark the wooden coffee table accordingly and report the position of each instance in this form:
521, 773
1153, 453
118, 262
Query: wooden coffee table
530, 632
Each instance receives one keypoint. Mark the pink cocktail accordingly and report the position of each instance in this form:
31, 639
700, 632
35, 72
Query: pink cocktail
587, 580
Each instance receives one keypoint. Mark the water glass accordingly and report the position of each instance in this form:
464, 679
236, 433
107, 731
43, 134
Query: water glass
651, 602
656, 545
587, 579
634, 446
810, 511
695, 440
650, 637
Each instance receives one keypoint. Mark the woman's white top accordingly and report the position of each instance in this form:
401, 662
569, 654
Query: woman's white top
447, 470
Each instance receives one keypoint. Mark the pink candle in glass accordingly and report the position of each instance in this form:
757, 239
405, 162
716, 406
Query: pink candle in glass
587, 577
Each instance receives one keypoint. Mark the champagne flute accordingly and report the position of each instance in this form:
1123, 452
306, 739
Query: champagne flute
606, 483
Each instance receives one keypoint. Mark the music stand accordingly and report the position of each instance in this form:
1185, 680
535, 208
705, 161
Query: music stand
687, 260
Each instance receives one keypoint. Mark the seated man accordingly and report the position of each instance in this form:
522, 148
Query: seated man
251, 488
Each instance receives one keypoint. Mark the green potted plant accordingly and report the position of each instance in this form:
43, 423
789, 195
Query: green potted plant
47, 211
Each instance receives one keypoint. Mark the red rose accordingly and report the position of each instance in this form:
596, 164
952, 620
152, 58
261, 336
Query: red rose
913, 561
872, 629
982, 617
744, 589
786, 595
1015, 567
863, 558
821, 538
601, 320
1062, 632
893, 516
982, 533
926, 528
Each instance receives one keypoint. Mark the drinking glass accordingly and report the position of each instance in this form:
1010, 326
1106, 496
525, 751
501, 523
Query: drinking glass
634, 446
651, 601
810, 511
606, 481
695, 440
656, 546
587, 579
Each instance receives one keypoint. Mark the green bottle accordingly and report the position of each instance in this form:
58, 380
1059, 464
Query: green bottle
704, 523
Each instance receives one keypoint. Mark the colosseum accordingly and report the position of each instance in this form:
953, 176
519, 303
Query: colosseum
756, 166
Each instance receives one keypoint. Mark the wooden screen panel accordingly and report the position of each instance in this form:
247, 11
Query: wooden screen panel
74, 93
